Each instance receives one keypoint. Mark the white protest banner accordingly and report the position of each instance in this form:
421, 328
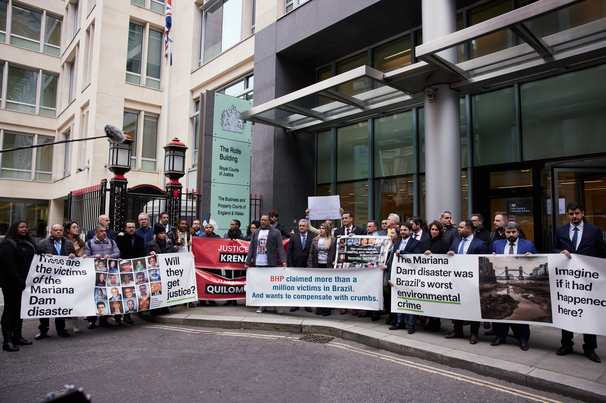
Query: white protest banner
325, 288
58, 287
61, 287
324, 207
549, 289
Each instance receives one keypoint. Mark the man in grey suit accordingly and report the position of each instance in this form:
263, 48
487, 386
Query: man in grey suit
298, 251
264, 249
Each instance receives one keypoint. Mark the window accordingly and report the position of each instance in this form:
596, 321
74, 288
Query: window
27, 29
154, 5
241, 88
66, 149
352, 152
18, 164
290, 5
225, 24
136, 58
71, 68
21, 91
48, 100
75, 17
393, 148
135, 123
3, 5
196, 123
34, 212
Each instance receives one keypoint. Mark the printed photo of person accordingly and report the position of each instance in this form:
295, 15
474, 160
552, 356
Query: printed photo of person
350, 241
100, 294
154, 275
141, 278
126, 266
152, 262
156, 288
140, 265
342, 241
128, 292
357, 241
131, 306
113, 266
100, 265
101, 280
115, 294
143, 292
114, 280
143, 303
127, 279
101, 308
116, 307
364, 242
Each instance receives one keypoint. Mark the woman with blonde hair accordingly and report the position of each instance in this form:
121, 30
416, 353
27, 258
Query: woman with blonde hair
322, 255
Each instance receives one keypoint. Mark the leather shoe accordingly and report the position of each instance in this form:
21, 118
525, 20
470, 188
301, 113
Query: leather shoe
234, 303
201, 303
327, 312
128, 320
62, 333
365, 314
455, 334
227, 303
491, 332
105, 324
398, 326
411, 330
319, 311
354, 312
375, 317
497, 342
592, 356
564, 350
343, 311
294, 308
91, 325
524, 345
473, 339
212, 303
9, 346
308, 309
21, 341
41, 335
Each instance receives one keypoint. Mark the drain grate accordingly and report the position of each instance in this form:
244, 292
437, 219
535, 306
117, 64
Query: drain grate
316, 338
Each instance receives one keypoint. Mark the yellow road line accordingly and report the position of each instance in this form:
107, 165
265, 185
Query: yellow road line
396, 360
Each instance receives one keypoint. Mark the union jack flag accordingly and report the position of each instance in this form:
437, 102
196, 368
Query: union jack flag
169, 18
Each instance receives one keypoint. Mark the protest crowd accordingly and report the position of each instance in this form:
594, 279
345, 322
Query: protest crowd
307, 247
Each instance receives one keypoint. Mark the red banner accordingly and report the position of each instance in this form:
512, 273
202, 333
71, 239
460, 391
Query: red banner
220, 254
213, 287
224, 254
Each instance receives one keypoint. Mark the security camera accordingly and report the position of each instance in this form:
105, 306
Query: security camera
84, 168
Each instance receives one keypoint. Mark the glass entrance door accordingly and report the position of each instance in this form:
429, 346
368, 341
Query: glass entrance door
585, 185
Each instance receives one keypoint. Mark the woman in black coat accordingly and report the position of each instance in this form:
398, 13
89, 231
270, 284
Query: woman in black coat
17, 251
160, 244
439, 246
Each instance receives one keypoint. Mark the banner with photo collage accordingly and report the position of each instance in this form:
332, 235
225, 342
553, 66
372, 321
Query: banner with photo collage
356, 252
61, 287
133, 285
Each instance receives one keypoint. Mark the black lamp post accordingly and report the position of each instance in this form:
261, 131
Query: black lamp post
119, 164
174, 169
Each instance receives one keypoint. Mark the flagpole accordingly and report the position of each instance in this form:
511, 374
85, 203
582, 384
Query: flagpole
168, 63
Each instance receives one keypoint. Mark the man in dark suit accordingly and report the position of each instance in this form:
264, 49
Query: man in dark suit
103, 220
406, 245
417, 230
264, 249
584, 239
131, 246
512, 245
298, 251
164, 218
478, 228
273, 221
59, 246
466, 244
348, 228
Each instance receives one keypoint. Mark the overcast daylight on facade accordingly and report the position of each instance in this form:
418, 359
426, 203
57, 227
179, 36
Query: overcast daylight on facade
411, 107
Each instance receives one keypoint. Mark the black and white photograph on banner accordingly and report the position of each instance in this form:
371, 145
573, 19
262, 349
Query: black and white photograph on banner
515, 288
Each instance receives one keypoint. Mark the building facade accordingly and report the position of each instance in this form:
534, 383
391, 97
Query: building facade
410, 107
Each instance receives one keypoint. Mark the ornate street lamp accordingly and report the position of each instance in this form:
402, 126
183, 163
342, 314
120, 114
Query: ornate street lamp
119, 164
119, 157
174, 169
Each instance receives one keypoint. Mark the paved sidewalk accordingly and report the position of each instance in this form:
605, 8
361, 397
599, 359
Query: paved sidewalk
573, 375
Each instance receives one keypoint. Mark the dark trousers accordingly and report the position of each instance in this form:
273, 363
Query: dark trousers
11, 316
45, 323
474, 327
94, 319
520, 331
590, 340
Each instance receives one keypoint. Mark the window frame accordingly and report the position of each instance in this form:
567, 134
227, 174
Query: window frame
33, 160
137, 159
142, 76
37, 106
41, 42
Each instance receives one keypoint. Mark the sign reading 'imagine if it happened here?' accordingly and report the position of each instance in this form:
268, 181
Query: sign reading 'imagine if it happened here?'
230, 191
